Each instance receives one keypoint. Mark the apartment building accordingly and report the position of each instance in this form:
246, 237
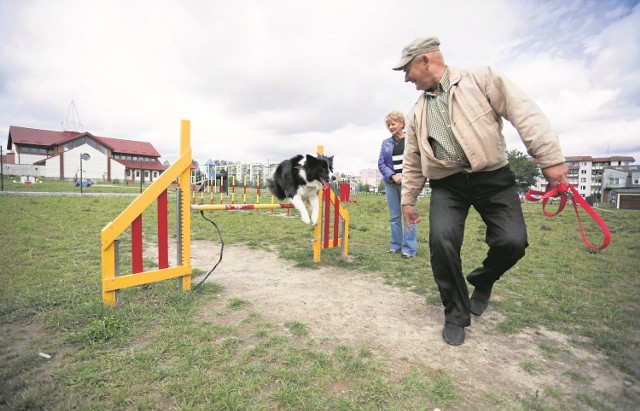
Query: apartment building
585, 172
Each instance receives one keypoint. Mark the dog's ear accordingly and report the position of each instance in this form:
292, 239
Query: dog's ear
310, 158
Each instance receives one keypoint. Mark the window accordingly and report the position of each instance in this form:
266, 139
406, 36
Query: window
583, 188
583, 180
67, 146
583, 171
78, 142
636, 181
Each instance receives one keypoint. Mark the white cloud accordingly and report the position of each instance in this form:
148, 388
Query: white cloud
263, 81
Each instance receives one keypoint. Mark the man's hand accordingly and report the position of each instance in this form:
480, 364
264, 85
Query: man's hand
411, 216
555, 175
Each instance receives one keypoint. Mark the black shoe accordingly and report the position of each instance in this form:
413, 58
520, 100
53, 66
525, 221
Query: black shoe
479, 300
453, 334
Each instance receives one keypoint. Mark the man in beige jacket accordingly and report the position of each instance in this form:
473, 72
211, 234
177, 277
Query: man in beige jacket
454, 139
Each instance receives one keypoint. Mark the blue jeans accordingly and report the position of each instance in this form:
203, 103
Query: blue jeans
406, 243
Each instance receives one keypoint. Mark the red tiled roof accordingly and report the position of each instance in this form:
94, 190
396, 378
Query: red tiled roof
146, 165
600, 159
47, 138
578, 158
623, 158
35, 137
130, 146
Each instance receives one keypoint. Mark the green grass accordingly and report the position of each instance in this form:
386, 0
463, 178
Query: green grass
154, 351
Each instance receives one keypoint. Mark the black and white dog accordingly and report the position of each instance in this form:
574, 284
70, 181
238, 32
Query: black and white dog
300, 179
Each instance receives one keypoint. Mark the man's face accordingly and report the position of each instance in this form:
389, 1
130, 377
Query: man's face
417, 72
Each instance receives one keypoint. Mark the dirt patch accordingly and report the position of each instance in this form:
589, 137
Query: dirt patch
402, 329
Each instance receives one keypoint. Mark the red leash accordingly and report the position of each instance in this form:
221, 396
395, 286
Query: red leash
565, 191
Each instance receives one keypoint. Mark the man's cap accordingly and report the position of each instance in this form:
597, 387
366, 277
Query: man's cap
422, 45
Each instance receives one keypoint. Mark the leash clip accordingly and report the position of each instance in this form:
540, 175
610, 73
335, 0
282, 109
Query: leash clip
563, 189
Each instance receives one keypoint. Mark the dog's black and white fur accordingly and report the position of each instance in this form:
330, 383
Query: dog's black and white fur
299, 179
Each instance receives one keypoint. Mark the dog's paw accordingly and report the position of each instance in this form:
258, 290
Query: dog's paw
305, 219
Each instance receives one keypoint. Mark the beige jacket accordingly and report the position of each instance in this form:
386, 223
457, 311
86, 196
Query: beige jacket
478, 100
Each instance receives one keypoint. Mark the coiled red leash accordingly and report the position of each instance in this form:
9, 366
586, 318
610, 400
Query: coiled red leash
566, 191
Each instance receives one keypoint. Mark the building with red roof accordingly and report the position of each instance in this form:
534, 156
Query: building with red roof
56, 154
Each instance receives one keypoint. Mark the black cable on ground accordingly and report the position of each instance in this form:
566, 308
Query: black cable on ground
221, 250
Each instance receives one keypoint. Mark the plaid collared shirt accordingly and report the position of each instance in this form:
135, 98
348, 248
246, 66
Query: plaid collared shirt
444, 144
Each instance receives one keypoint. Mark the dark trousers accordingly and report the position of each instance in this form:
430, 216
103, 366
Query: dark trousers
494, 196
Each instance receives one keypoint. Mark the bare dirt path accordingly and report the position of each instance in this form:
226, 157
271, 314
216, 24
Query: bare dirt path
341, 307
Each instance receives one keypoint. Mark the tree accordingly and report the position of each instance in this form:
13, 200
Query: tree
525, 169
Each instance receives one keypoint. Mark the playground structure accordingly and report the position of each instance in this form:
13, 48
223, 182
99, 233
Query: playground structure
131, 217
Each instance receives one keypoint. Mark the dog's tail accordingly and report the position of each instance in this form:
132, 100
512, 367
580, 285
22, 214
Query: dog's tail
275, 189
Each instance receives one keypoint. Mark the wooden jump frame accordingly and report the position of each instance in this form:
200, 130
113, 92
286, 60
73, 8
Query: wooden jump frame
113, 282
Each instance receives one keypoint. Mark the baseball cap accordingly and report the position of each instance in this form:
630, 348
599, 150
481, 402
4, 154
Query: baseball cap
417, 47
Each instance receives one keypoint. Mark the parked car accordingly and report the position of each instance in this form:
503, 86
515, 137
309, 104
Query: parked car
84, 182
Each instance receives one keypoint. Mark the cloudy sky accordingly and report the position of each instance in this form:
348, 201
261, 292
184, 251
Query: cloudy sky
264, 80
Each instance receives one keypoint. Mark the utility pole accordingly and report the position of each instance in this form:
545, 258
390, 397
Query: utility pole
83, 156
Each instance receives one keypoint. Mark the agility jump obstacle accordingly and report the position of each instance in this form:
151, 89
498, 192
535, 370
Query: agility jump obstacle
131, 217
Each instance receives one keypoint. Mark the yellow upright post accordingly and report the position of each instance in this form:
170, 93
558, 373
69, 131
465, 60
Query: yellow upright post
109, 272
233, 189
185, 209
258, 190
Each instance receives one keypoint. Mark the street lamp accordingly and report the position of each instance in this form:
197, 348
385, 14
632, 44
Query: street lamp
85, 157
